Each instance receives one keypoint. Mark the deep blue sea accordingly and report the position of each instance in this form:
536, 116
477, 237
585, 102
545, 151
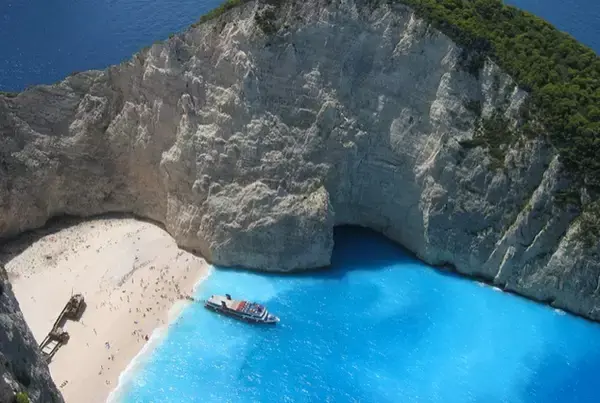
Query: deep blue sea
42, 41
580, 18
379, 326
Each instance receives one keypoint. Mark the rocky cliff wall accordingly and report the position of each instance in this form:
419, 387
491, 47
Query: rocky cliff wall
21, 366
251, 136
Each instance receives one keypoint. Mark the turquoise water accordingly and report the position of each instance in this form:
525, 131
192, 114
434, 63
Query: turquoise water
379, 326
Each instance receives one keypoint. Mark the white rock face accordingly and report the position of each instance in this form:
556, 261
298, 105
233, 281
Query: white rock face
251, 147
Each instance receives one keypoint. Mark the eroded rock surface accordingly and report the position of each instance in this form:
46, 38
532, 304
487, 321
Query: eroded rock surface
21, 366
250, 146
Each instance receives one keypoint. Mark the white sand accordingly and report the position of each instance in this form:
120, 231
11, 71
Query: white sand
130, 273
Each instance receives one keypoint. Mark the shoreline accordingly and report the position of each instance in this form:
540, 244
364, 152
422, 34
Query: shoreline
158, 335
134, 280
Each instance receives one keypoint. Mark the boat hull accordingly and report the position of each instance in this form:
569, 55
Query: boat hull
235, 315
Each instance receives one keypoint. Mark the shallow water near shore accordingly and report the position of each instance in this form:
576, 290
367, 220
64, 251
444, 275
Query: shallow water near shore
379, 326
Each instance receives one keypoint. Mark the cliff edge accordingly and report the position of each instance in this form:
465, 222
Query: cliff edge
22, 369
252, 135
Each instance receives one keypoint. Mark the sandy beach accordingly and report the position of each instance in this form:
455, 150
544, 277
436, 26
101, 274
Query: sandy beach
131, 274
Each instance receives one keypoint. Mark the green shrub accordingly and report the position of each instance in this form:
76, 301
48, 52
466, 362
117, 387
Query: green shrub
226, 6
562, 74
493, 133
9, 94
474, 106
589, 225
21, 397
567, 197
266, 21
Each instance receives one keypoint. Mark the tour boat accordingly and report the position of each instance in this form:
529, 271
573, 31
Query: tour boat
243, 310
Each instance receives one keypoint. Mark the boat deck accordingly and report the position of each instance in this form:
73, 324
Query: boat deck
244, 310
248, 308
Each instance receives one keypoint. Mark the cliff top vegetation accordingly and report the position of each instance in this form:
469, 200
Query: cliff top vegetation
562, 75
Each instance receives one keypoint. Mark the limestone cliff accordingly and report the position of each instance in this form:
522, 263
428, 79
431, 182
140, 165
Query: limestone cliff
251, 136
21, 366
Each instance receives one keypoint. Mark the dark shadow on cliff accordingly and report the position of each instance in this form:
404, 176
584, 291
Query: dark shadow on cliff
367, 334
332, 321
12, 247
353, 249
343, 334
